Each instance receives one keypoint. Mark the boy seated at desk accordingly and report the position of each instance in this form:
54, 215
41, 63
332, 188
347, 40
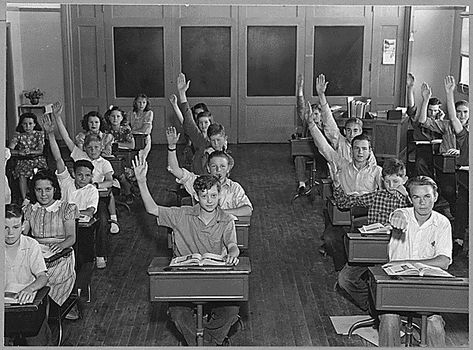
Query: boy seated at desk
232, 198
423, 236
357, 176
203, 228
25, 269
381, 203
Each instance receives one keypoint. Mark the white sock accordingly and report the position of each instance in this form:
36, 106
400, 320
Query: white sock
114, 228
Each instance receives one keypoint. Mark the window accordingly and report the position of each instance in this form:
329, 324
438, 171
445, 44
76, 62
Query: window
464, 80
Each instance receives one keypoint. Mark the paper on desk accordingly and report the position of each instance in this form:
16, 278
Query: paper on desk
343, 323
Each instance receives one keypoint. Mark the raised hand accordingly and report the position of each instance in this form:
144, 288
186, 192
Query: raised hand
398, 220
426, 91
173, 99
46, 123
182, 85
449, 82
410, 80
140, 166
300, 82
321, 84
172, 136
57, 108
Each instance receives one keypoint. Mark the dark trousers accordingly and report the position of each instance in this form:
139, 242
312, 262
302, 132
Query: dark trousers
353, 279
85, 255
333, 237
461, 216
103, 228
221, 317
424, 161
300, 164
447, 184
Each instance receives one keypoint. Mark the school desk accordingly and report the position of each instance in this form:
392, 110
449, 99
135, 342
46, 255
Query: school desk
337, 217
140, 140
367, 248
303, 146
26, 320
105, 192
422, 295
198, 285
445, 163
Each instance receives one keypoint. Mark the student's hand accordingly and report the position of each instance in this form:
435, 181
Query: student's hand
449, 82
182, 86
56, 248
172, 136
300, 82
410, 80
173, 99
140, 166
426, 91
309, 116
398, 220
231, 259
57, 108
440, 115
25, 295
46, 123
452, 152
321, 84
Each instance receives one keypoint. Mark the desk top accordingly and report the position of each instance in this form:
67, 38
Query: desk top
89, 223
160, 266
381, 277
105, 192
369, 236
243, 221
40, 295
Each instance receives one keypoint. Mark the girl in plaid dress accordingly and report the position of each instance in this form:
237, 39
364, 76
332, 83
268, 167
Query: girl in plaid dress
27, 144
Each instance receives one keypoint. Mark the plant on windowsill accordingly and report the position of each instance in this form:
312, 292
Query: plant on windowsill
34, 95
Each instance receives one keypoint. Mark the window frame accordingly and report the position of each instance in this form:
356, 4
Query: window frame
461, 87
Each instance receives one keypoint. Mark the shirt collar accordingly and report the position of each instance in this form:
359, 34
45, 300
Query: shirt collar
52, 208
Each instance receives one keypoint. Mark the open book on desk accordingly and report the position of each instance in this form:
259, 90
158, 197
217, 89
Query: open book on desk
196, 259
376, 228
11, 293
414, 269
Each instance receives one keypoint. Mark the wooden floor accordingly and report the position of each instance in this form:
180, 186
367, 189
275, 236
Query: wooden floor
291, 296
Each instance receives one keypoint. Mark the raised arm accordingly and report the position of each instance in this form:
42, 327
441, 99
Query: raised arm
426, 95
57, 110
175, 107
140, 166
331, 129
173, 164
452, 113
411, 105
300, 101
345, 201
48, 127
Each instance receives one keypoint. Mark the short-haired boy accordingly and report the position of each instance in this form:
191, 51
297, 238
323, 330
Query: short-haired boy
232, 199
25, 269
353, 277
218, 141
203, 228
425, 236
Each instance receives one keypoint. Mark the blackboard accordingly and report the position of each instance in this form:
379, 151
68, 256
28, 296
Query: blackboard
271, 60
139, 61
338, 53
206, 58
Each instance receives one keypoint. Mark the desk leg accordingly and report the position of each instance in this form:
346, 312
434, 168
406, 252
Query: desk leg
423, 333
200, 327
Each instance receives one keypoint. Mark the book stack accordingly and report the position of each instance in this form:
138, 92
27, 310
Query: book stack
357, 107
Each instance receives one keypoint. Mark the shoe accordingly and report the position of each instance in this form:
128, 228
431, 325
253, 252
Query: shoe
301, 190
226, 342
73, 314
100, 262
114, 228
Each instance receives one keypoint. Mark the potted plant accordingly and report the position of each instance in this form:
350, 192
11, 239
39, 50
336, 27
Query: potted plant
34, 95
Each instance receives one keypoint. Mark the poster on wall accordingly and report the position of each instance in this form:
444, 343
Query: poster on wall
389, 51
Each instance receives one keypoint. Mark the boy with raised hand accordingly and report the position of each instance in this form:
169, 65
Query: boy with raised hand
232, 198
25, 269
353, 126
423, 235
203, 228
381, 203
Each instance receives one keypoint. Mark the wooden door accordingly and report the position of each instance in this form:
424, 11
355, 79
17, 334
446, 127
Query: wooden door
205, 49
88, 63
139, 59
271, 53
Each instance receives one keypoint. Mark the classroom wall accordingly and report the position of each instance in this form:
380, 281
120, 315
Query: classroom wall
431, 60
37, 54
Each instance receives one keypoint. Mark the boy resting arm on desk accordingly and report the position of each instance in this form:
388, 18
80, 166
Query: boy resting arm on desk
203, 228
232, 198
426, 237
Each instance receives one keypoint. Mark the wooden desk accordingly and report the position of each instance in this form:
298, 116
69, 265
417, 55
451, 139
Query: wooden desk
337, 216
388, 137
198, 285
127, 155
105, 192
140, 141
242, 226
371, 249
90, 223
303, 146
117, 165
26, 320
